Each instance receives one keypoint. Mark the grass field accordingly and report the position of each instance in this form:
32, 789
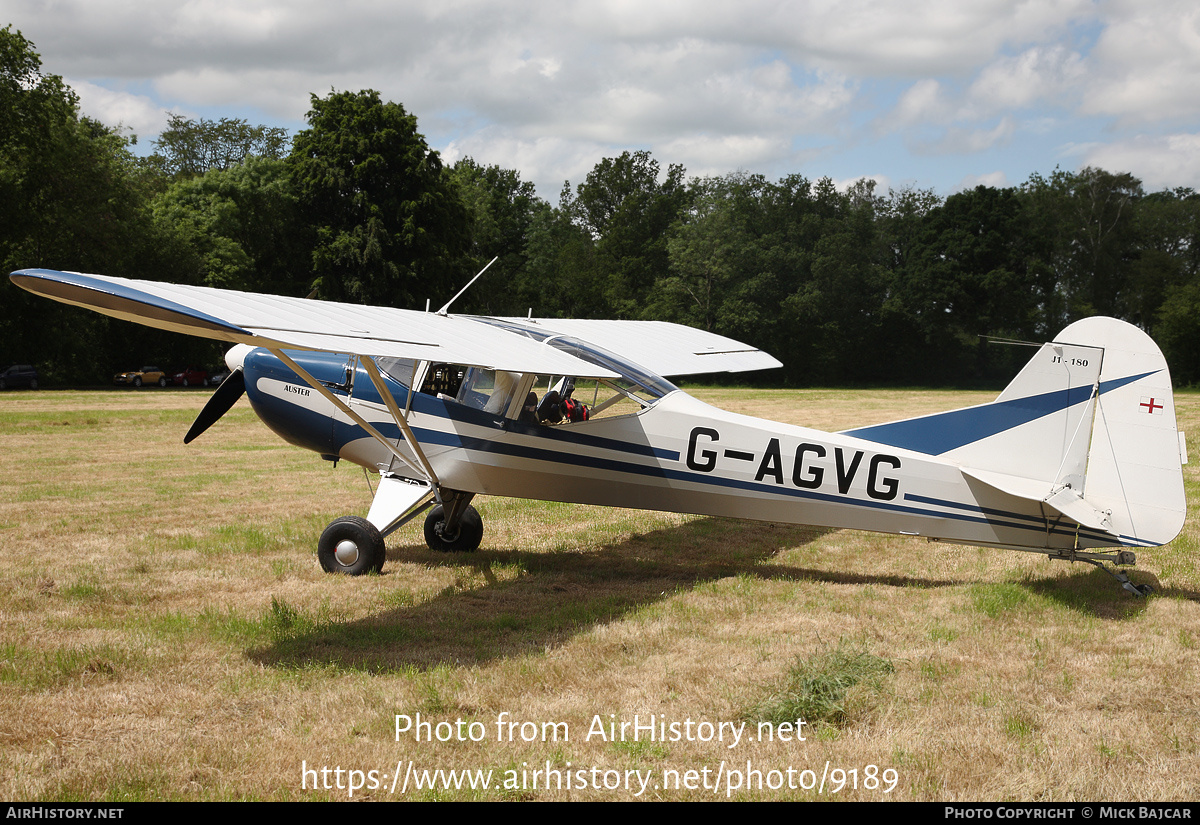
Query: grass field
166, 633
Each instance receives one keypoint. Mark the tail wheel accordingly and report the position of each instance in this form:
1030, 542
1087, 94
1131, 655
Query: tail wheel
463, 540
351, 545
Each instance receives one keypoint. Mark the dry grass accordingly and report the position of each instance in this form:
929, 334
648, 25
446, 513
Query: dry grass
165, 631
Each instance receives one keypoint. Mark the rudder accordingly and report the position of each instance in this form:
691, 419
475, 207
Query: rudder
1134, 468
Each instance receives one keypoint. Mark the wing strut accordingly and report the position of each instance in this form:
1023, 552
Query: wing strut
424, 469
394, 408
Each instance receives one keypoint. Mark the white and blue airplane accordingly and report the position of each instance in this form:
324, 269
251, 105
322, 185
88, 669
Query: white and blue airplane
1079, 457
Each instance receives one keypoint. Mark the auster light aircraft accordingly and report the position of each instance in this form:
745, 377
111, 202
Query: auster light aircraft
1078, 458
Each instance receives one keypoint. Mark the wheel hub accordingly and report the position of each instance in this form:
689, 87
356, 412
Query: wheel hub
346, 552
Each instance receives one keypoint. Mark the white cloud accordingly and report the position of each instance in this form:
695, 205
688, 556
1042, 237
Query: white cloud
958, 140
1146, 64
554, 83
1035, 75
136, 113
924, 102
996, 179
1160, 162
882, 183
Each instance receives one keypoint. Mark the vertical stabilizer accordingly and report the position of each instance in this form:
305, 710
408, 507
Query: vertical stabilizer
1087, 427
1049, 409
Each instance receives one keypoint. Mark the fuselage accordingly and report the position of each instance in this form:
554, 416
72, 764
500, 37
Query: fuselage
675, 454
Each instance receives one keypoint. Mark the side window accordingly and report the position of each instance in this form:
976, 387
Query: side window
487, 390
398, 369
574, 400
443, 379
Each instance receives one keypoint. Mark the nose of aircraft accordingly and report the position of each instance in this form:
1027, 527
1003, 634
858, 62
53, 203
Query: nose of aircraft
237, 356
227, 394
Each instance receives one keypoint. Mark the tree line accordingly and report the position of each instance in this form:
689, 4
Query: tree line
845, 286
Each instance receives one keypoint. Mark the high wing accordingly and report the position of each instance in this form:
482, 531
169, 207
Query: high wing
277, 322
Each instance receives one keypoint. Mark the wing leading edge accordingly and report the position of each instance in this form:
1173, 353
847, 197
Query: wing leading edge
661, 347
278, 322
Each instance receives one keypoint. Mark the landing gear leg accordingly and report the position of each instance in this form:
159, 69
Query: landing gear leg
454, 526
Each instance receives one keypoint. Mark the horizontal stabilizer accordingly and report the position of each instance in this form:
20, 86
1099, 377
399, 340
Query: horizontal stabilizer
1064, 500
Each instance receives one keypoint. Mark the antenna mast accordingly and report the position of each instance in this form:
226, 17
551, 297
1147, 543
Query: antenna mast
446, 308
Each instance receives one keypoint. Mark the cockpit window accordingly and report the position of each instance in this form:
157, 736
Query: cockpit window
398, 369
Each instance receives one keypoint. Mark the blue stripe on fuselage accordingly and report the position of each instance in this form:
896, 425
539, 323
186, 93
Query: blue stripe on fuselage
943, 432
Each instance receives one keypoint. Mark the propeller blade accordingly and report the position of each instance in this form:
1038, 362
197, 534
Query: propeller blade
227, 394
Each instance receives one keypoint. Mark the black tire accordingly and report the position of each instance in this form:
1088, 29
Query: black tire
470, 532
137, 382
32, 384
185, 381
351, 545
162, 382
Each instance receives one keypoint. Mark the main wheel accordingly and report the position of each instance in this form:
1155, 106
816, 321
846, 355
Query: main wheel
351, 545
466, 540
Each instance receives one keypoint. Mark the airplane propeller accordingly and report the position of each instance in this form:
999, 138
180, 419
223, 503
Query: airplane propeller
227, 394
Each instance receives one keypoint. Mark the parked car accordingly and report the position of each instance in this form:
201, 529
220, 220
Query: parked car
218, 375
190, 377
146, 375
19, 375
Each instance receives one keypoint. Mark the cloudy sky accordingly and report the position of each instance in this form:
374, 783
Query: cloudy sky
940, 94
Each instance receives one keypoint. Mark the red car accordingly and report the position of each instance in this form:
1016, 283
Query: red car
190, 377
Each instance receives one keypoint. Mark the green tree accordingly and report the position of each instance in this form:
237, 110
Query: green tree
242, 226
71, 197
1167, 231
187, 148
967, 274
718, 279
503, 210
36, 110
628, 213
837, 310
1082, 231
390, 226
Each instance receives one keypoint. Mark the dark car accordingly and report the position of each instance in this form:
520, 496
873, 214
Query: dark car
218, 375
190, 377
19, 375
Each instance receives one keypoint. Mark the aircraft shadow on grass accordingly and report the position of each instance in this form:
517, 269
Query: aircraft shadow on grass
556, 596
559, 595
